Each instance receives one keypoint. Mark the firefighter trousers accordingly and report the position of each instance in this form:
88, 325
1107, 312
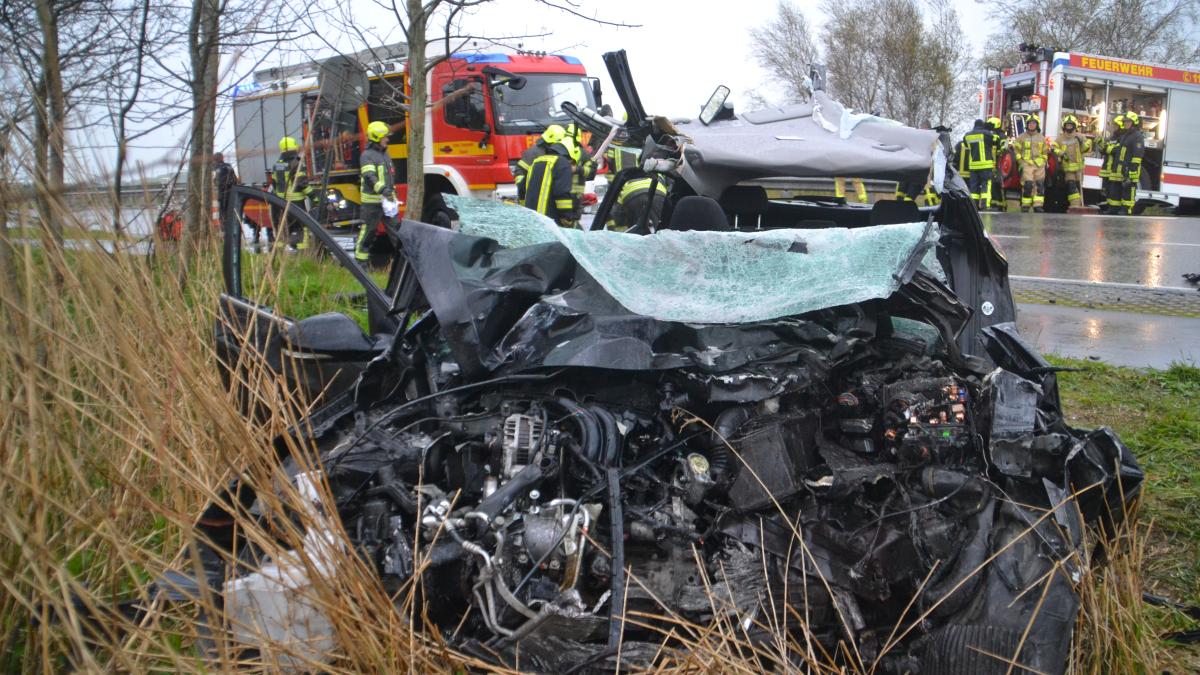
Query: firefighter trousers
372, 216
1074, 183
1033, 186
294, 230
1121, 196
980, 182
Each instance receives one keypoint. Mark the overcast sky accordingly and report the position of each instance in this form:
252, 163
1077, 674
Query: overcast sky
681, 50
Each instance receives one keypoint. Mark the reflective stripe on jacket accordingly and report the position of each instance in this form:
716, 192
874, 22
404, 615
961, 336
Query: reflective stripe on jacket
1031, 148
548, 185
525, 163
288, 178
981, 150
1133, 148
1072, 147
622, 158
376, 174
639, 185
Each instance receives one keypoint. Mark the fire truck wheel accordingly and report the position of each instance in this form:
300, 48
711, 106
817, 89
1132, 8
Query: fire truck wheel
437, 212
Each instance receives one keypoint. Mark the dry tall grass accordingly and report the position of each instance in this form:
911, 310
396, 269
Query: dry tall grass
116, 430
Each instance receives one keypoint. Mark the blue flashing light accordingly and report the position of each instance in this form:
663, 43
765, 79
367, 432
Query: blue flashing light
246, 89
483, 58
571, 60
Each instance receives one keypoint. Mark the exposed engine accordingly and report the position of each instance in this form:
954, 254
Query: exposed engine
549, 513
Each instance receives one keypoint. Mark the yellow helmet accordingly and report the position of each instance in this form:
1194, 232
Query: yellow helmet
1035, 120
1134, 118
377, 131
572, 148
1070, 119
287, 144
994, 123
1120, 121
553, 134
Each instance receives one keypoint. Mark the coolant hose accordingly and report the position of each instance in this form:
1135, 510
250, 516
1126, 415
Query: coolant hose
590, 435
726, 425
611, 443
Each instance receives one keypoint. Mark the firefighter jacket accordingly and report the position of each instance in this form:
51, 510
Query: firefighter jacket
585, 171
288, 178
1072, 148
638, 186
548, 185
376, 174
1109, 149
979, 145
523, 165
1133, 148
1031, 148
620, 159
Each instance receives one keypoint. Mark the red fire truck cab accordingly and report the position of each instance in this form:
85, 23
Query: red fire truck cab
477, 125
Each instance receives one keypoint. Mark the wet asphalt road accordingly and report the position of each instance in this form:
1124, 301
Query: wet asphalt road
1147, 251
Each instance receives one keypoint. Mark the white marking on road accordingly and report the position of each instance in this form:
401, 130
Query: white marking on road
1166, 243
1009, 236
1115, 284
1113, 215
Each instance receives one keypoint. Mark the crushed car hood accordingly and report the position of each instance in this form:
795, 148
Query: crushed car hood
818, 139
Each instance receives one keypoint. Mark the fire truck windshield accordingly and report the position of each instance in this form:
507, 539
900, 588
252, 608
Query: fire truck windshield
538, 104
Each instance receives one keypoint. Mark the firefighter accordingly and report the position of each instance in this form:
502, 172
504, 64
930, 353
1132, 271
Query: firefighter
998, 199
1031, 153
1133, 149
979, 154
548, 185
376, 181
553, 134
1110, 171
224, 180
585, 166
633, 201
839, 190
1071, 148
290, 183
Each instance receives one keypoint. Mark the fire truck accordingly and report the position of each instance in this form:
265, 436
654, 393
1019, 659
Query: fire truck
485, 110
1096, 89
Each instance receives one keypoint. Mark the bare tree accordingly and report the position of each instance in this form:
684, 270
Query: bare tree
785, 48
141, 39
1144, 30
902, 58
52, 115
57, 53
204, 57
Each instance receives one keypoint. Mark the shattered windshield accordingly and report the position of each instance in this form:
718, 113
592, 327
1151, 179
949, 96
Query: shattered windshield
707, 277
539, 103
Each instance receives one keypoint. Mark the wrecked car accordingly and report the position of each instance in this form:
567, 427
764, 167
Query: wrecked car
583, 444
